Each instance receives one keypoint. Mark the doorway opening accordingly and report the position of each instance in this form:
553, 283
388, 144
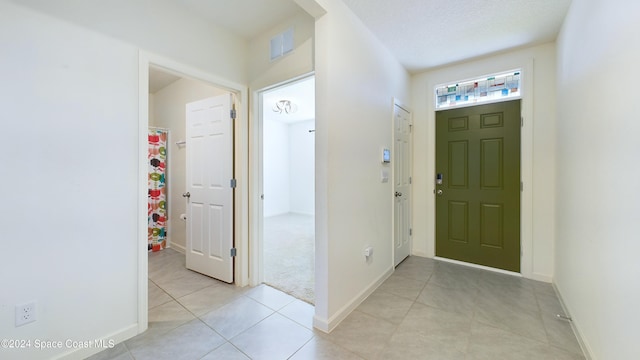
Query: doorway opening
287, 173
169, 98
172, 266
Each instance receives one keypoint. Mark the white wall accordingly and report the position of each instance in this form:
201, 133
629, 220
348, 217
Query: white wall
169, 112
356, 79
277, 168
302, 159
538, 151
162, 27
263, 72
69, 214
598, 211
70, 139
288, 167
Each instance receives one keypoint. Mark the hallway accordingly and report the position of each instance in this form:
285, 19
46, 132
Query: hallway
427, 309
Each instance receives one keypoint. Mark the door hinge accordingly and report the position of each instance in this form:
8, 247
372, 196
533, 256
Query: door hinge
521, 186
522, 121
410, 179
232, 113
410, 231
234, 183
233, 252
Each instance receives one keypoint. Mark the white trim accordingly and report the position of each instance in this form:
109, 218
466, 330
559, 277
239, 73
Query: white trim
256, 189
179, 248
241, 222
143, 189
327, 325
586, 349
420, 254
498, 100
540, 277
526, 171
117, 337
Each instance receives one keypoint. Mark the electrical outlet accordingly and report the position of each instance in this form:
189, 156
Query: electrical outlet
26, 313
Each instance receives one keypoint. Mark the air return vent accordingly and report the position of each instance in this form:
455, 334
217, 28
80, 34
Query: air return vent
282, 44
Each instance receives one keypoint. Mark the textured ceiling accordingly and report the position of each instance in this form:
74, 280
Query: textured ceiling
424, 34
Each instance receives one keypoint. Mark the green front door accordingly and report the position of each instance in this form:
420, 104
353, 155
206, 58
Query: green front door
478, 185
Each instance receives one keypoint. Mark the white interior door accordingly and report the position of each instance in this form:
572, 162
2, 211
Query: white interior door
209, 190
402, 184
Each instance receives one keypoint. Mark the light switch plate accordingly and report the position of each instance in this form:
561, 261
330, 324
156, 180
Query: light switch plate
384, 176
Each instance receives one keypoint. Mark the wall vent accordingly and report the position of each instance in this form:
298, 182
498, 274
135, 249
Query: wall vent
282, 44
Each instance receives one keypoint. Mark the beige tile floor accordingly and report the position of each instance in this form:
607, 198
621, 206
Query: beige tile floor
426, 310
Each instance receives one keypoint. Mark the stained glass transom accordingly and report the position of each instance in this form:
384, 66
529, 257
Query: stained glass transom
491, 88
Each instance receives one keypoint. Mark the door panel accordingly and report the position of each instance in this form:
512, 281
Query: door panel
402, 184
459, 164
459, 221
491, 162
478, 202
210, 200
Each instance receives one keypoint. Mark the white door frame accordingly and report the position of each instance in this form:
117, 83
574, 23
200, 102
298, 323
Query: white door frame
256, 204
241, 167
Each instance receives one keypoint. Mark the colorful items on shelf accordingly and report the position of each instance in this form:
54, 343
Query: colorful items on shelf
157, 202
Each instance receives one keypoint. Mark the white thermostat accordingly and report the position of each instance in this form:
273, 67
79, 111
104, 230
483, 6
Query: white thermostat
386, 155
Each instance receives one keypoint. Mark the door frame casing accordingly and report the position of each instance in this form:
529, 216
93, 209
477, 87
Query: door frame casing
241, 146
526, 165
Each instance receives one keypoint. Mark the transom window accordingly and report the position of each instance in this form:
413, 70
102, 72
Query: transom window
497, 87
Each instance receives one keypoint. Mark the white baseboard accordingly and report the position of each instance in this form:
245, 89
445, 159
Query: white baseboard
178, 248
420, 254
586, 350
327, 325
541, 277
116, 337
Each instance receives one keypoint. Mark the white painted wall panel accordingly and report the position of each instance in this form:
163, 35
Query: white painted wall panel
70, 145
302, 160
69, 155
277, 168
597, 267
356, 79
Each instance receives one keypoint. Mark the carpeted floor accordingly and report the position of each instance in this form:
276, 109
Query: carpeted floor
289, 251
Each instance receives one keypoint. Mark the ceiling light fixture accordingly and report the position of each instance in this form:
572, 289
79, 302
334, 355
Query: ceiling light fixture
285, 106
